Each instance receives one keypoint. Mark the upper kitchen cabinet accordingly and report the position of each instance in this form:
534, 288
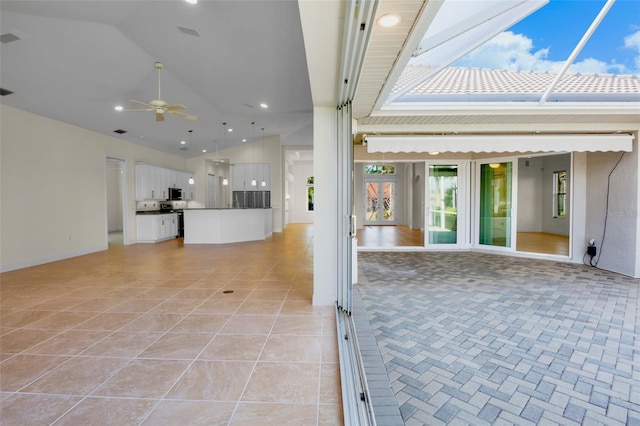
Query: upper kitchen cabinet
264, 175
188, 189
245, 173
146, 182
153, 183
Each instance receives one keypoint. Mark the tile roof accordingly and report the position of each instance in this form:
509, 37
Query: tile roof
478, 82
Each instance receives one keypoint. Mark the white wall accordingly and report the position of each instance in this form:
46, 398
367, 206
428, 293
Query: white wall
530, 183
48, 163
619, 252
298, 212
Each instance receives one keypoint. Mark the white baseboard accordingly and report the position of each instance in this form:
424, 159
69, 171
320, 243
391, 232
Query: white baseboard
49, 259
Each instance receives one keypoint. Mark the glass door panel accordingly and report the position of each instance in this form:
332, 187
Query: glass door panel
388, 216
495, 204
371, 214
443, 204
380, 203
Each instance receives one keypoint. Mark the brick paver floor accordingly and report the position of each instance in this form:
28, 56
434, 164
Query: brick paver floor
474, 338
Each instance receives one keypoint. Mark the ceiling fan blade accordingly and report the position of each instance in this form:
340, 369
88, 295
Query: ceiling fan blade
174, 107
159, 116
183, 115
141, 103
137, 110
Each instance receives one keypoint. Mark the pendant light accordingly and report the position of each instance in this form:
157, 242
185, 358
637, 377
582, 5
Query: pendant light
191, 180
253, 153
263, 183
225, 181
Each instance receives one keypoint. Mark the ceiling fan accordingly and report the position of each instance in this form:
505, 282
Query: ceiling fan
161, 107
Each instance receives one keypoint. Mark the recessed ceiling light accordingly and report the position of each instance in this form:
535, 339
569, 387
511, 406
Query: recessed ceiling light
230, 130
118, 108
244, 140
263, 105
389, 20
192, 1
183, 142
204, 150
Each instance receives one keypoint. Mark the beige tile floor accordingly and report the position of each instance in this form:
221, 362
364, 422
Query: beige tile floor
151, 334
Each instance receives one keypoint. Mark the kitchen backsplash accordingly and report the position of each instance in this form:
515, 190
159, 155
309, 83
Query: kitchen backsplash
178, 205
148, 206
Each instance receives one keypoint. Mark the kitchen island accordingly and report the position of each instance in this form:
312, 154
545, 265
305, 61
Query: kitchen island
221, 226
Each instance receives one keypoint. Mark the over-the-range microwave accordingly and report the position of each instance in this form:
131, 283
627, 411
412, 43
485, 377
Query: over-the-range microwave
175, 194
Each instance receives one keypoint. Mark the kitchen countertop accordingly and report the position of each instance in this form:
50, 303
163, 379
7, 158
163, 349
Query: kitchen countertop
231, 208
155, 212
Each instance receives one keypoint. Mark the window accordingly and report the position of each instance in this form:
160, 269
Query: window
379, 169
560, 193
310, 198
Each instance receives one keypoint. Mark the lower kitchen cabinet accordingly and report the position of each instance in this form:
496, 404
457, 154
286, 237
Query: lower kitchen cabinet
152, 228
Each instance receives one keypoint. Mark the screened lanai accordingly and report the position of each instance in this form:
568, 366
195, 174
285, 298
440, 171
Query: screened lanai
493, 82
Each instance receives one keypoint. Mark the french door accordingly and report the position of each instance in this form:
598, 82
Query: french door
443, 204
446, 204
380, 202
496, 208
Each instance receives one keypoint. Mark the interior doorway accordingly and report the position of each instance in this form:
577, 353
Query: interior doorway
544, 204
116, 200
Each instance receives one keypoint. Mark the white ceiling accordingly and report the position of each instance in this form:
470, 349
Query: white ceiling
76, 60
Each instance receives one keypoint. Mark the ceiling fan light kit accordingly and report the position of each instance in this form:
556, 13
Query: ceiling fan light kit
159, 106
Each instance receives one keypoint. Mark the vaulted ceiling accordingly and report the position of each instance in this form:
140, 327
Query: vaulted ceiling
74, 61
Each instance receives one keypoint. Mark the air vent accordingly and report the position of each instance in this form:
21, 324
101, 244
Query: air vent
120, 131
189, 31
8, 38
5, 92
183, 148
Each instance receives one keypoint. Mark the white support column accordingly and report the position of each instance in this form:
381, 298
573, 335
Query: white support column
578, 203
325, 226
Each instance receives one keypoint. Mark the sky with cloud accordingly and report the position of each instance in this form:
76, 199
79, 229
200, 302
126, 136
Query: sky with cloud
546, 38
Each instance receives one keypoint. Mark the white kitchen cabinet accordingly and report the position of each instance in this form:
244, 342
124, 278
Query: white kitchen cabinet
171, 225
152, 228
150, 182
145, 182
153, 183
162, 183
263, 174
238, 177
188, 190
244, 173
173, 178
